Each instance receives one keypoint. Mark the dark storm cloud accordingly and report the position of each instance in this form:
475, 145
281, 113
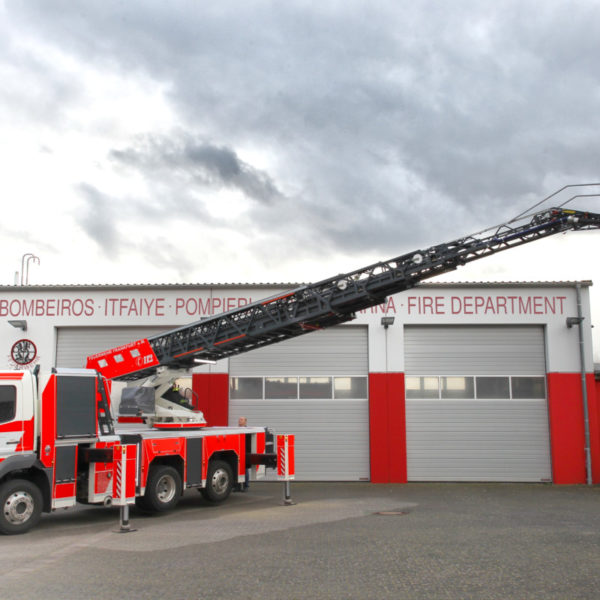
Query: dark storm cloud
392, 124
201, 163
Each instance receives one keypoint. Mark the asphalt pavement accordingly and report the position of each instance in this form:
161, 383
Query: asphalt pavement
340, 540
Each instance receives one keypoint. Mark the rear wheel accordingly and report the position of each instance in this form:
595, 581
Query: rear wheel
163, 490
219, 481
21, 506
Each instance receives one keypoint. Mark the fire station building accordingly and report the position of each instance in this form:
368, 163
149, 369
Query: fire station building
444, 382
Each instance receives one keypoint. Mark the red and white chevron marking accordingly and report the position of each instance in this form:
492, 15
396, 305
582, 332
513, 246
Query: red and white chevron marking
124, 474
285, 457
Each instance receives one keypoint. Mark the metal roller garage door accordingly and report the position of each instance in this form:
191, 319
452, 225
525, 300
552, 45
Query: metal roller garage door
476, 405
75, 344
313, 386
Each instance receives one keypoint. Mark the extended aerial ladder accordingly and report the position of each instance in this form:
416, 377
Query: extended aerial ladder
328, 302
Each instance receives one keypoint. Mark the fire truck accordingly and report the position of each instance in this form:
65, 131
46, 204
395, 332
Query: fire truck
60, 443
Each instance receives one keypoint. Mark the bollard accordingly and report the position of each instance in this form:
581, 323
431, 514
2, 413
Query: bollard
287, 495
125, 527
285, 465
124, 482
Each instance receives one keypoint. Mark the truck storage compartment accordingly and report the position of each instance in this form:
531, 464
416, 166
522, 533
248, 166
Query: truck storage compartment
76, 405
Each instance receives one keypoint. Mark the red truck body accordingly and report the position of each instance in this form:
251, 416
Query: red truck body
59, 446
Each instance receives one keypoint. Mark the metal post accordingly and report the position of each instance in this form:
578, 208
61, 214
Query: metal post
124, 484
125, 527
285, 443
287, 494
23, 259
35, 260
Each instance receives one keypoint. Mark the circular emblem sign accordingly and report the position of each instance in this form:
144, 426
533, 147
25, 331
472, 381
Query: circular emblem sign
23, 352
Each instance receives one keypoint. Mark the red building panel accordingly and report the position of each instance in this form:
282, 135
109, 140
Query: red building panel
387, 428
567, 433
212, 391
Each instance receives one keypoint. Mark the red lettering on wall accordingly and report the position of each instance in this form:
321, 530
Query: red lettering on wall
201, 307
501, 304
468, 305
455, 304
132, 307
525, 305
426, 305
496, 305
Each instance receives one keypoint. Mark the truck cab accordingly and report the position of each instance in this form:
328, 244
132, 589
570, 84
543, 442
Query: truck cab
22, 477
18, 393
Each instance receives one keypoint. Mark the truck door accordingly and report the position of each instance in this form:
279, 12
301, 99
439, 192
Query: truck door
11, 415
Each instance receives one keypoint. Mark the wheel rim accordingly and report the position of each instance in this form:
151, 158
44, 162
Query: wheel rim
166, 488
18, 508
220, 481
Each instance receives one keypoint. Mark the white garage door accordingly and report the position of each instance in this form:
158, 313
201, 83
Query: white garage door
315, 387
476, 405
75, 344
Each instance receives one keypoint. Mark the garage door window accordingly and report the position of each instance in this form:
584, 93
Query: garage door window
294, 388
281, 388
528, 387
480, 388
246, 388
489, 388
346, 388
315, 387
457, 387
422, 387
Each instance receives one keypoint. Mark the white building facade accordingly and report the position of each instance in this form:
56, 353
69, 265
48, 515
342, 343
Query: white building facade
471, 382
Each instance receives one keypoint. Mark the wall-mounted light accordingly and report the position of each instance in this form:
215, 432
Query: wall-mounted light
202, 361
19, 324
387, 321
573, 321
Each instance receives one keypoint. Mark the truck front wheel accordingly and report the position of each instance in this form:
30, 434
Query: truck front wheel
219, 481
163, 490
21, 505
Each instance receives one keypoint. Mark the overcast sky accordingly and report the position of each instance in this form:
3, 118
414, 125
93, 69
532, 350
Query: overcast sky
185, 141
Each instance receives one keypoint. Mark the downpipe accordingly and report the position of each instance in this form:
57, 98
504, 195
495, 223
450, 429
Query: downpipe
584, 395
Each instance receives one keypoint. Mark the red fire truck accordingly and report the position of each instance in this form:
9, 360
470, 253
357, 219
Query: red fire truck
60, 446
59, 442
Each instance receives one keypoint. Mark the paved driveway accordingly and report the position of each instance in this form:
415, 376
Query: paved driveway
433, 541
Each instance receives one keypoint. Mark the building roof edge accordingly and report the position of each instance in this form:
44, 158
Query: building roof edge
287, 285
